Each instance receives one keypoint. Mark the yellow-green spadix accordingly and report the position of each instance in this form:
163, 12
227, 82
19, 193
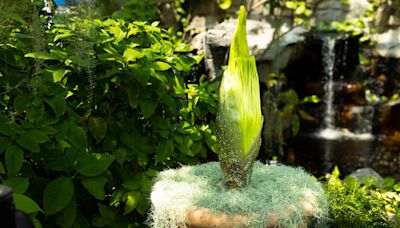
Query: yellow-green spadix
239, 115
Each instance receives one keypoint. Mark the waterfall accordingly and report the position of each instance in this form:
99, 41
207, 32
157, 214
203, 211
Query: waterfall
328, 53
363, 115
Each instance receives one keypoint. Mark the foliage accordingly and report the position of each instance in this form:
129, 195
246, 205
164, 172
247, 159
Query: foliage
138, 10
363, 202
239, 117
283, 113
89, 116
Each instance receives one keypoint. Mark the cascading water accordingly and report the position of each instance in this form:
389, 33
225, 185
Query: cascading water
343, 134
328, 48
329, 129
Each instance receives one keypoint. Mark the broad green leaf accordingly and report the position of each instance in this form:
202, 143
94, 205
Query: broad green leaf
38, 136
140, 73
388, 182
41, 55
7, 128
396, 187
131, 54
118, 33
120, 155
92, 165
133, 95
25, 204
14, 158
161, 66
18, 184
58, 74
131, 201
148, 107
57, 103
20, 102
164, 150
28, 142
69, 214
107, 216
77, 136
57, 194
98, 128
95, 186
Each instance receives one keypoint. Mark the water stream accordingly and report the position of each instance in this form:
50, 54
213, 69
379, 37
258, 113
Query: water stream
329, 130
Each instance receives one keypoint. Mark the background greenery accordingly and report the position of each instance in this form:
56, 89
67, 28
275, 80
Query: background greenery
91, 111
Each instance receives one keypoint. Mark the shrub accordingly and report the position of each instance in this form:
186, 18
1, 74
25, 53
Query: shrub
362, 202
90, 114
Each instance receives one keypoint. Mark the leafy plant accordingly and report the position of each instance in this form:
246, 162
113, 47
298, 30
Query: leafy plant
88, 119
362, 202
239, 117
282, 107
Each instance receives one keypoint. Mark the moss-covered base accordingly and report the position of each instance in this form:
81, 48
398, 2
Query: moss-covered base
277, 195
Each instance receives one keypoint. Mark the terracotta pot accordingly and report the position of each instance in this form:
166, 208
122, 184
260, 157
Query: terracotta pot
205, 218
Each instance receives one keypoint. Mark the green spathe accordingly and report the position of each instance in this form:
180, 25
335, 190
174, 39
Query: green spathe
239, 115
276, 190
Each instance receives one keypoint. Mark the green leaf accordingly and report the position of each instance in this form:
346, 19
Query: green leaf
20, 102
57, 194
388, 182
161, 66
77, 136
41, 55
14, 158
295, 124
95, 186
98, 127
141, 73
131, 55
94, 164
58, 74
18, 184
120, 155
131, 200
25, 204
28, 142
69, 214
133, 95
304, 115
396, 187
38, 136
57, 103
148, 107
164, 150
7, 128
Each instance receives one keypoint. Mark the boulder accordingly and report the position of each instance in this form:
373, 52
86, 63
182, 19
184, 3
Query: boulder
388, 44
367, 172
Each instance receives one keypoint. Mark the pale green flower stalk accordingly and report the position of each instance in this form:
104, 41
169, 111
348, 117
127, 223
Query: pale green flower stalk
239, 117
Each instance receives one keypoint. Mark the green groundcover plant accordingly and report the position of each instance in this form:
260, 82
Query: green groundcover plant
363, 202
91, 112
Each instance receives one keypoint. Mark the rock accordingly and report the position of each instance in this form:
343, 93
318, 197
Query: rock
388, 44
367, 172
327, 11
